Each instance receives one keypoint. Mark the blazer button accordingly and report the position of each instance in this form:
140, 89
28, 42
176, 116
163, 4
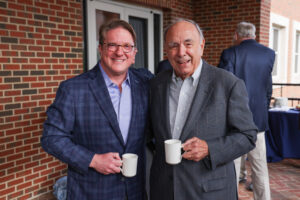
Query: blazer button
122, 179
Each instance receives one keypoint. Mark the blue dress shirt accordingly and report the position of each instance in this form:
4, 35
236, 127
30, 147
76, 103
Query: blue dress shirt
121, 102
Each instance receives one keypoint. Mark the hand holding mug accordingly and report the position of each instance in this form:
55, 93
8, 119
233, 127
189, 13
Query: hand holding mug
108, 163
195, 149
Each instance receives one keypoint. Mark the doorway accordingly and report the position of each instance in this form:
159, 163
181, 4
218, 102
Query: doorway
146, 22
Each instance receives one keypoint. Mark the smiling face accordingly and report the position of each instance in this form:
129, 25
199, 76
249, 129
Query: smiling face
116, 63
184, 48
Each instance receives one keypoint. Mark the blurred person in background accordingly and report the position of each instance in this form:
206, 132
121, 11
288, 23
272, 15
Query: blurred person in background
253, 63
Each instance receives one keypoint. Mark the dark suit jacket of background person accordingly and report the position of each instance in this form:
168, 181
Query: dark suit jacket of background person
220, 115
163, 66
82, 122
253, 63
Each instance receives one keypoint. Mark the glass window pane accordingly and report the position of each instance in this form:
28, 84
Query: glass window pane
297, 43
140, 27
296, 64
104, 16
296, 67
157, 40
274, 72
275, 39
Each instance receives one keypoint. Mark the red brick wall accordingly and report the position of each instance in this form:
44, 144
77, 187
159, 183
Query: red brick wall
288, 8
178, 9
41, 44
218, 19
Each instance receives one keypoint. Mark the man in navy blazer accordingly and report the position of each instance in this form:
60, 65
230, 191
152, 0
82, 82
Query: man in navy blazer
100, 115
253, 63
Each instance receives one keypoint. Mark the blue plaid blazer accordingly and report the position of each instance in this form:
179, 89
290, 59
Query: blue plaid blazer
82, 121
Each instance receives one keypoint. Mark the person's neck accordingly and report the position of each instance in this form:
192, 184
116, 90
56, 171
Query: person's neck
240, 40
118, 80
247, 38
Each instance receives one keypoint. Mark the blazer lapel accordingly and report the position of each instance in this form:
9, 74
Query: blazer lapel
164, 93
136, 95
99, 89
202, 94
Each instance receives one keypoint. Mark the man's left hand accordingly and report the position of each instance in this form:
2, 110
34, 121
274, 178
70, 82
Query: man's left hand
195, 149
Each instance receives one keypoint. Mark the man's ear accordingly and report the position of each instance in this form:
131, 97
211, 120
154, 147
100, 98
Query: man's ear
134, 54
202, 43
236, 39
235, 36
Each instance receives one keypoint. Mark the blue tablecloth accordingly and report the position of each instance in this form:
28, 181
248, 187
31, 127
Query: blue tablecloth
283, 138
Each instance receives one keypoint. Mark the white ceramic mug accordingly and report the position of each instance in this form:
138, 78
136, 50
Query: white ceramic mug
173, 151
129, 165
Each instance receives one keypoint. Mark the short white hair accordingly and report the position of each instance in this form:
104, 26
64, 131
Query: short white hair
246, 30
184, 20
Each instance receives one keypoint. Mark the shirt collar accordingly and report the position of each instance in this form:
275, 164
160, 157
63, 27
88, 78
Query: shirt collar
107, 80
195, 76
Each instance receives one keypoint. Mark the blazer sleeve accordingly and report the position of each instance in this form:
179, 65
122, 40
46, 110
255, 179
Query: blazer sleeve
57, 137
227, 61
241, 131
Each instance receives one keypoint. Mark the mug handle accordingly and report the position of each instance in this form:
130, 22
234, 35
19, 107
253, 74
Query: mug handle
121, 169
182, 152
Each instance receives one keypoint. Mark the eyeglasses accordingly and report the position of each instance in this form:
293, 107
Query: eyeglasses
127, 48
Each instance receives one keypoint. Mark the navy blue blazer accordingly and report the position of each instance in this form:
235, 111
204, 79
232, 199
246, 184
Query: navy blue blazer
82, 122
253, 63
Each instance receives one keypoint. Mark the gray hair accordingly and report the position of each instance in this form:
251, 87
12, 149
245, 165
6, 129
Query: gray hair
184, 20
246, 30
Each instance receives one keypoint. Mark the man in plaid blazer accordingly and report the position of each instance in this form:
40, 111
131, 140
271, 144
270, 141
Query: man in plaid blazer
100, 115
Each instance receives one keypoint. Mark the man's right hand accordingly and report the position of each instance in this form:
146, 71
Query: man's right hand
108, 163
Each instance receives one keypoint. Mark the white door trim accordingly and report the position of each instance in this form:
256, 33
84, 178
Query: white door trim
125, 10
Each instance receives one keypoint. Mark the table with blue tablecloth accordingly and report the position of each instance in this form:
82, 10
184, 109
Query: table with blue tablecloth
283, 138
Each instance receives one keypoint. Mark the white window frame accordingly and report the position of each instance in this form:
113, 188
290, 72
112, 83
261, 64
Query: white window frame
125, 10
283, 24
295, 77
